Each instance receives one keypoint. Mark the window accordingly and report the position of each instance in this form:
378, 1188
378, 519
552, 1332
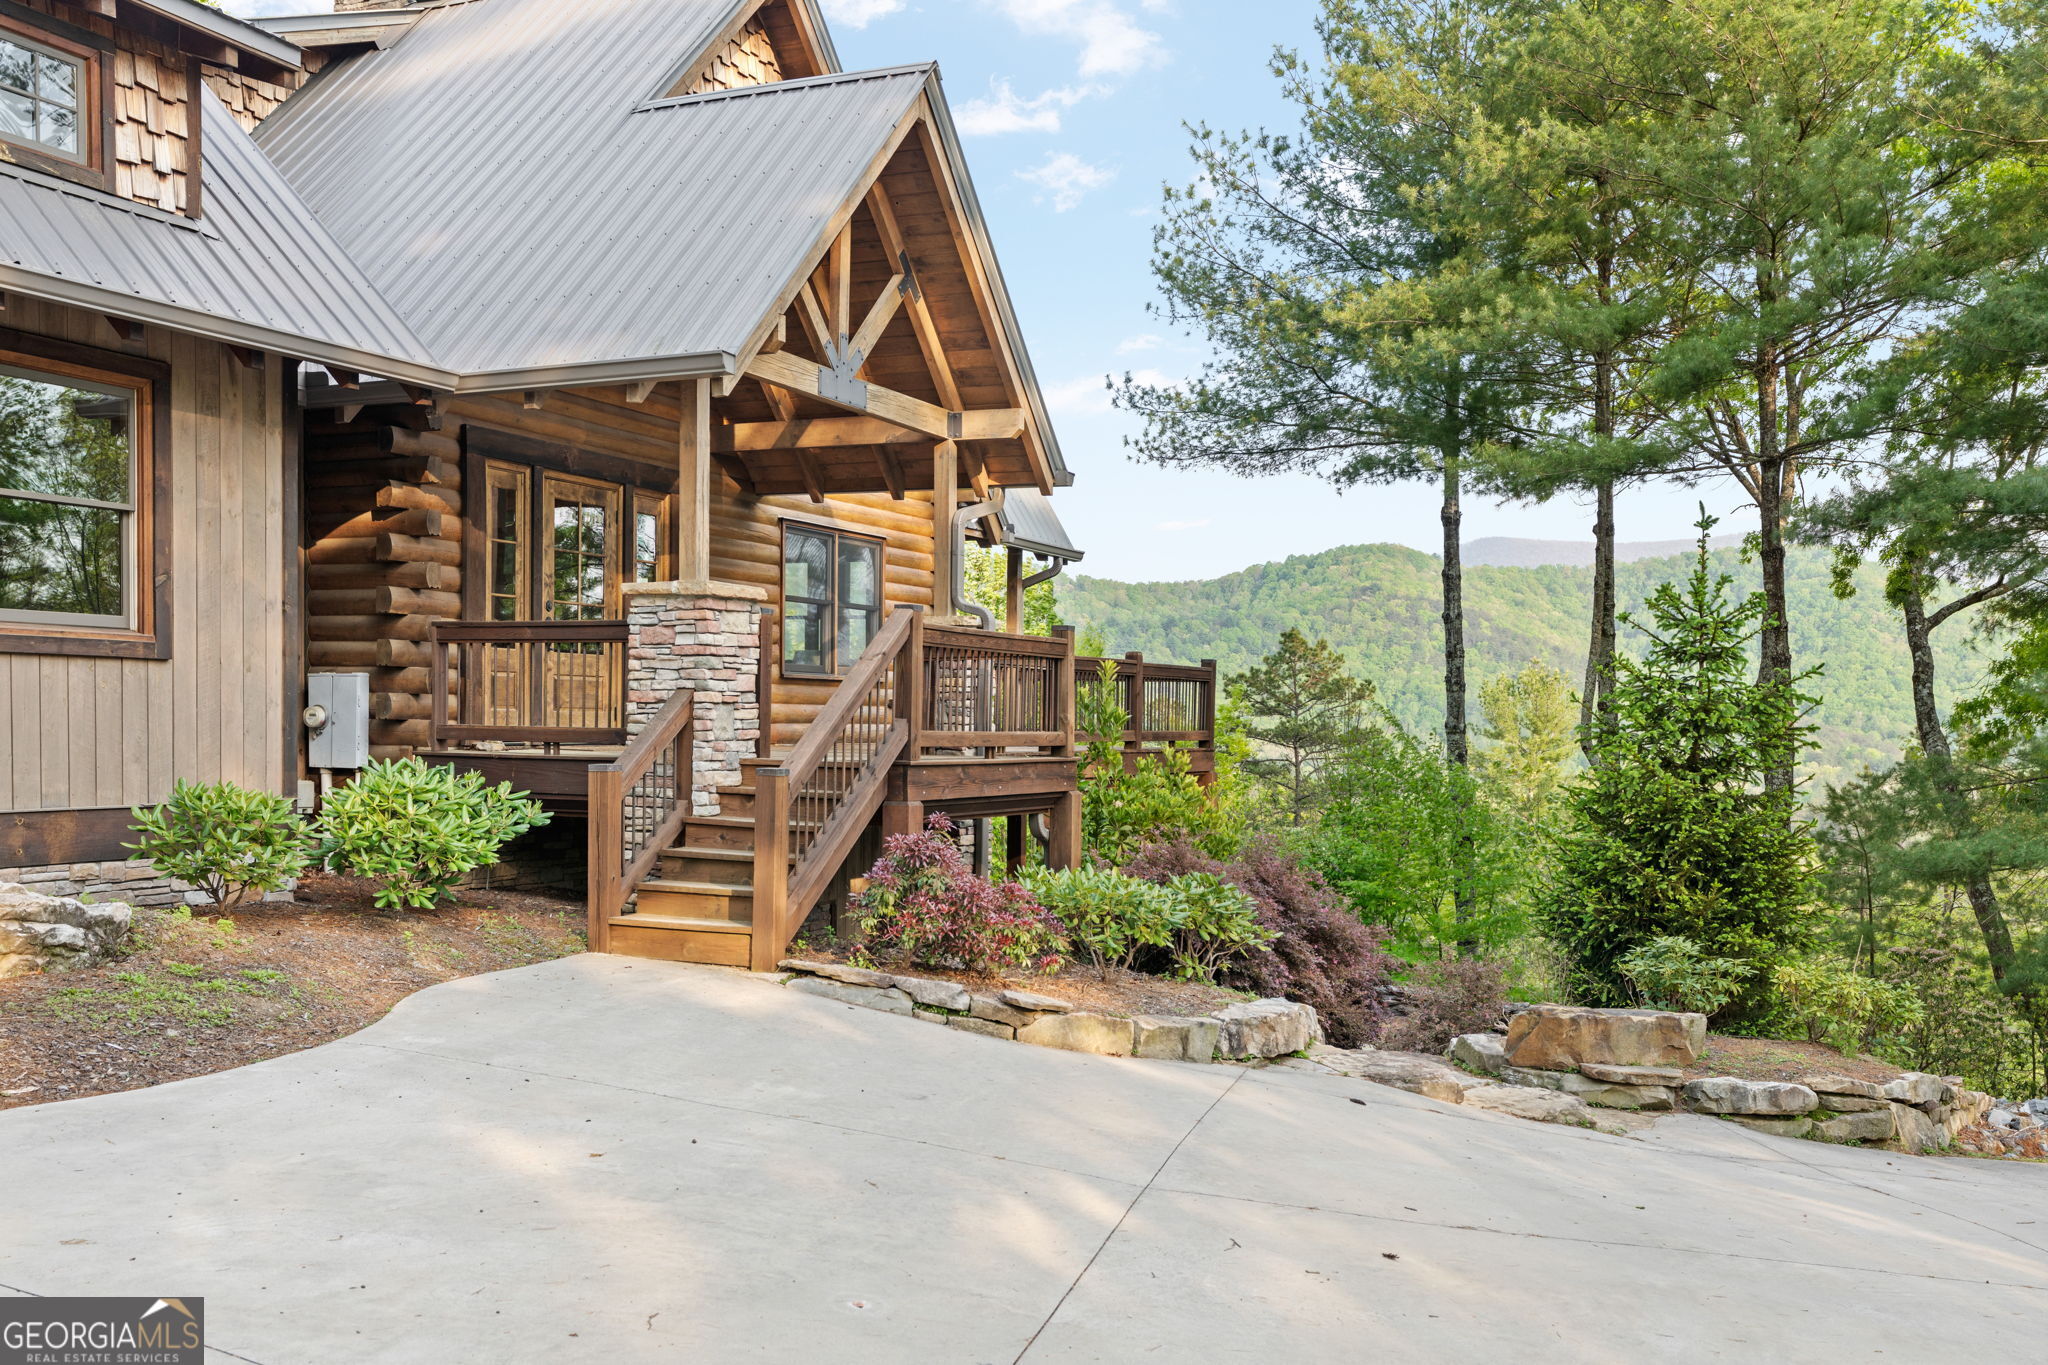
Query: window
46, 96
831, 598
505, 536
69, 456
650, 525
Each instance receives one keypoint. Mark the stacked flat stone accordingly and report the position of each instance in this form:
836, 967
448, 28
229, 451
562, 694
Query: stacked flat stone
1251, 1031
703, 639
130, 882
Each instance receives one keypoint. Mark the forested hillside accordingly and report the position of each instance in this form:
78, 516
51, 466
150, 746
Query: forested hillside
1379, 604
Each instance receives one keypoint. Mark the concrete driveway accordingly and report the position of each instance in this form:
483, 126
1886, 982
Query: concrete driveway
616, 1161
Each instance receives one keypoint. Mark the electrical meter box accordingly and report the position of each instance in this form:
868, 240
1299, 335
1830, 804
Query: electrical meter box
337, 720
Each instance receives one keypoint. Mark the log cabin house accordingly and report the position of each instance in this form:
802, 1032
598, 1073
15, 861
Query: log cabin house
612, 387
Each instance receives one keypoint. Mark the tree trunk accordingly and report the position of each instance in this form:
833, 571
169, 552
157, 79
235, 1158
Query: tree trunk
1595, 702
1934, 742
1456, 746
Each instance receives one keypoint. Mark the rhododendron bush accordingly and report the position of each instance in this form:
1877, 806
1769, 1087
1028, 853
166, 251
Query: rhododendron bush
924, 901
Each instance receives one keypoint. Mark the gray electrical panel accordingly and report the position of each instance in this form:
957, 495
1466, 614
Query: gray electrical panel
337, 720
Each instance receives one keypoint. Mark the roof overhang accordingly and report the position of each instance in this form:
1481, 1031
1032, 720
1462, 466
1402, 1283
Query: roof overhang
373, 27
236, 36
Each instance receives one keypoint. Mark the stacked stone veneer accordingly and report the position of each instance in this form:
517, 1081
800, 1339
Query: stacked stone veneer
133, 883
702, 638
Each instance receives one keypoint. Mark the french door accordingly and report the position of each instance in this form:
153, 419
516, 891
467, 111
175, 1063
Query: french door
582, 565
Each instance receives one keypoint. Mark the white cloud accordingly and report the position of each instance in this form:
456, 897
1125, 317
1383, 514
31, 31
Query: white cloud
859, 13
1067, 179
1003, 110
1091, 393
1183, 525
1145, 341
1111, 42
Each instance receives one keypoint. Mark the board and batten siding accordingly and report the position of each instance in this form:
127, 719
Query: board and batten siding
86, 733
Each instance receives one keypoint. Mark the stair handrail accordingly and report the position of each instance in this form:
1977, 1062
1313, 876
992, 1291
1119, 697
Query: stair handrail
619, 858
786, 887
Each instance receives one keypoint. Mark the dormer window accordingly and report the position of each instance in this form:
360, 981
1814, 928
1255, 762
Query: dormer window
44, 97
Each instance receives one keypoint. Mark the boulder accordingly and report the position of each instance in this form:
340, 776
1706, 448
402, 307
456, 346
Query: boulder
1592, 1091
1266, 1028
1727, 1095
1870, 1126
1561, 1037
1633, 1075
1969, 1109
987, 1027
1177, 1038
1540, 1106
55, 933
1414, 1072
940, 995
996, 1012
838, 971
1037, 1004
1485, 1053
1915, 1087
1795, 1126
1913, 1131
1102, 1034
867, 997
1851, 1104
1824, 1086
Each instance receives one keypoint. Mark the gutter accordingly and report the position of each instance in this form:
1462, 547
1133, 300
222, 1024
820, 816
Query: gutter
973, 512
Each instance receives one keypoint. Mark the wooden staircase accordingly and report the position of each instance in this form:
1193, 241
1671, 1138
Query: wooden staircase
699, 904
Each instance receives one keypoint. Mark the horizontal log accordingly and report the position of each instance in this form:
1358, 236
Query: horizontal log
419, 550
405, 521
380, 574
379, 656
383, 441
416, 629
400, 706
383, 601
416, 733
349, 500
350, 472
415, 680
385, 753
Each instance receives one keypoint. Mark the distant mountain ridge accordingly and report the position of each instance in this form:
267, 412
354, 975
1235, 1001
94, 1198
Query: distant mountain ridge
1380, 604
1515, 552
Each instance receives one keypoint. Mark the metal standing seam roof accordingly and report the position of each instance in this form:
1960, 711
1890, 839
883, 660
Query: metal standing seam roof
258, 268
1029, 523
548, 209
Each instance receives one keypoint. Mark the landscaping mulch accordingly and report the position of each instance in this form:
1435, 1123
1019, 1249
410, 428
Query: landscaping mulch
1118, 993
1780, 1059
199, 994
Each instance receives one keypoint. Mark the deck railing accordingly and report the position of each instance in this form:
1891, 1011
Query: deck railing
991, 692
809, 809
529, 682
1166, 703
638, 803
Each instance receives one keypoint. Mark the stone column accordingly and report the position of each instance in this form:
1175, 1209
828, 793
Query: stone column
701, 637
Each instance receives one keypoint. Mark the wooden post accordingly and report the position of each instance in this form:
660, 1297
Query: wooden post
601, 857
1134, 738
693, 486
902, 817
945, 501
1013, 593
771, 867
1063, 851
910, 687
1065, 691
1015, 831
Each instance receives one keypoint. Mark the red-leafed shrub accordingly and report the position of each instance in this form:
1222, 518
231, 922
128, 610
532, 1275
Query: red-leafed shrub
1323, 956
924, 901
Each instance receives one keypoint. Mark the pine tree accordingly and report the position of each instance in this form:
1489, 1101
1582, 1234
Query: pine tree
1677, 830
1300, 703
1530, 737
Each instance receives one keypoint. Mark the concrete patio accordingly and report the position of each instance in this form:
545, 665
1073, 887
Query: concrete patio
610, 1160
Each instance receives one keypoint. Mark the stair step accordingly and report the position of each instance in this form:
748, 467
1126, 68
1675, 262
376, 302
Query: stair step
684, 922
719, 831
721, 866
665, 897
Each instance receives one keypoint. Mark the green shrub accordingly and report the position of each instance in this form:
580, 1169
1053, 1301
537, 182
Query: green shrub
1111, 918
1212, 923
230, 842
1124, 807
1843, 1008
418, 827
1671, 973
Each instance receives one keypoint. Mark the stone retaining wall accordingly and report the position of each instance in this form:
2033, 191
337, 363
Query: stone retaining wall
133, 882
42, 932
1251, 1031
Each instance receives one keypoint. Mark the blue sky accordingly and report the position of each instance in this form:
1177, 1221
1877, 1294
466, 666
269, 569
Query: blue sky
1072, 111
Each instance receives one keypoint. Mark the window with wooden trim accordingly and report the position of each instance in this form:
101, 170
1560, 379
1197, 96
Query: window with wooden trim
507, 524
584, 559
49, 89
78, 527
649, 556
831, 598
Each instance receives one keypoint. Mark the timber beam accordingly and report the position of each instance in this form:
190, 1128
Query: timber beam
809, 433
843, 390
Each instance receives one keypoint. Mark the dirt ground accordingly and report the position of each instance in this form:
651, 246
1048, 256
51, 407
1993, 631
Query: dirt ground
1779, 1059
201, 993
1117, 993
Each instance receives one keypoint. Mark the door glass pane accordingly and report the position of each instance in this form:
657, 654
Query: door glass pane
582, 526
859, 573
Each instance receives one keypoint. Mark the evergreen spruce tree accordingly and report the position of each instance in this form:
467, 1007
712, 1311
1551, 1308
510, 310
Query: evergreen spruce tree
1677, 830
1301, 704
